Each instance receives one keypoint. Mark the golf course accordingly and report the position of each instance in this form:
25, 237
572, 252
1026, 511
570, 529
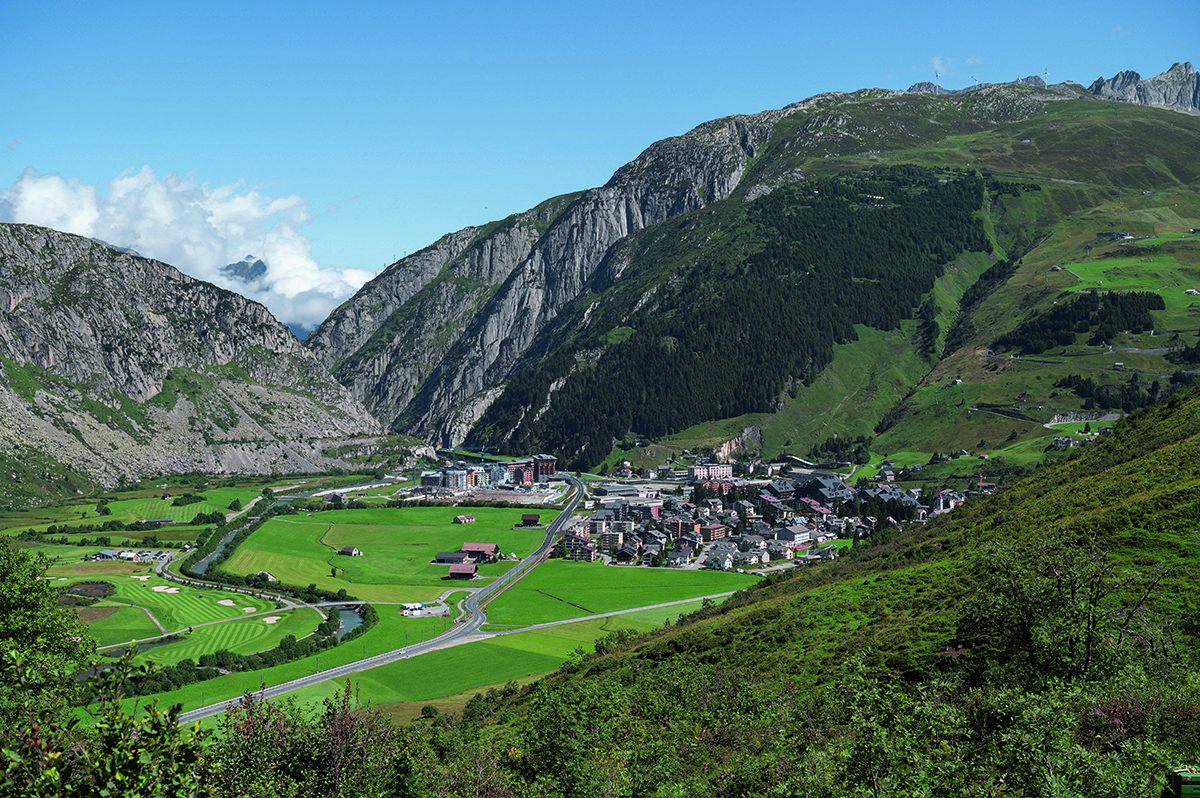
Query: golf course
554, 610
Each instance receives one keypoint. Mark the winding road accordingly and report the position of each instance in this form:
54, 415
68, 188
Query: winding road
464, 630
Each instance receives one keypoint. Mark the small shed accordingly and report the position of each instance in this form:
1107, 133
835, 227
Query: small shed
350, 551
464, 519
530, 519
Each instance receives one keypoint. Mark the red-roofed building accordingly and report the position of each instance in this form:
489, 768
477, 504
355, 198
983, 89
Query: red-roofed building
481, 552
465, 570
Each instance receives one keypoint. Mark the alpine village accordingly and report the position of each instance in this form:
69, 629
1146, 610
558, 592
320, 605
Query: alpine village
849, 448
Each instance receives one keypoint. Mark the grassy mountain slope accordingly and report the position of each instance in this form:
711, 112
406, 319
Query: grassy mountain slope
949, 660
1060, 168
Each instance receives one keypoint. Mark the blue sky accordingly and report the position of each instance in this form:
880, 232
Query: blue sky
331, 139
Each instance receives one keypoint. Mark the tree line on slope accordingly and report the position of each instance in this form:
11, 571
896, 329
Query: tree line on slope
1103, 315
762, 307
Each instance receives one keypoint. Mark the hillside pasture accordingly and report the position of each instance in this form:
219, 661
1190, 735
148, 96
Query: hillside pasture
399, 546
1156, 273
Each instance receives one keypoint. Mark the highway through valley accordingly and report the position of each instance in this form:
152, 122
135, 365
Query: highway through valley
465, 629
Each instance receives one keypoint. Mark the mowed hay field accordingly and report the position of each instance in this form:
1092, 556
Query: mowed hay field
148, 509
399, 546
559, 589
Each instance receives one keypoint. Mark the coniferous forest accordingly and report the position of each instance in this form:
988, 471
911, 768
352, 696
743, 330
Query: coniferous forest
755, 309
1102, 315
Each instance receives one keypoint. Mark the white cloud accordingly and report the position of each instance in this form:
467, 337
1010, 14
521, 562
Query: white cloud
196, 228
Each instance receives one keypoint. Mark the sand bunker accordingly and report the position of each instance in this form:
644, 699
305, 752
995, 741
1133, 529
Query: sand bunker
164, 589
273, 619
143, 577
226, 602
249, 609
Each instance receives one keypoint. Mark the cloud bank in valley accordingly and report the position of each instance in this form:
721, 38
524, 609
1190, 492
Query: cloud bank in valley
196, 228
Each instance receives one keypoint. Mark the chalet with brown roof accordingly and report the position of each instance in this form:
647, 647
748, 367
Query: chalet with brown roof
481, 552
465, 570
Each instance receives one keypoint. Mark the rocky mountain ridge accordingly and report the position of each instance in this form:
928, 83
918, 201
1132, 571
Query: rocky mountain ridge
432, 342
122, 366
428, 345
514, 279
1177, 89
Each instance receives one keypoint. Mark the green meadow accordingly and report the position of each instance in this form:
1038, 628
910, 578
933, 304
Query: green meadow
447, 677
559, 589
112, 625
392, 632
399, 546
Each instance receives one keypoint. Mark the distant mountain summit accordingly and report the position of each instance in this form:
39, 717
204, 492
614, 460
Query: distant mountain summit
248, 270
121, 366
929, 87
1177, 89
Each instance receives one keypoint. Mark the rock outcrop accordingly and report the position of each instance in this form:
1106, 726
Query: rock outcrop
1177, 89
425, 344
429, 344
118, 365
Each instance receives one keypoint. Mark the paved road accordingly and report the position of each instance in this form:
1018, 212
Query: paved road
464, 631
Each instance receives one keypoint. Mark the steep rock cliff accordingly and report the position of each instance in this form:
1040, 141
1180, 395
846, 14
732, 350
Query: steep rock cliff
122, 366
385, 341
429, 361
